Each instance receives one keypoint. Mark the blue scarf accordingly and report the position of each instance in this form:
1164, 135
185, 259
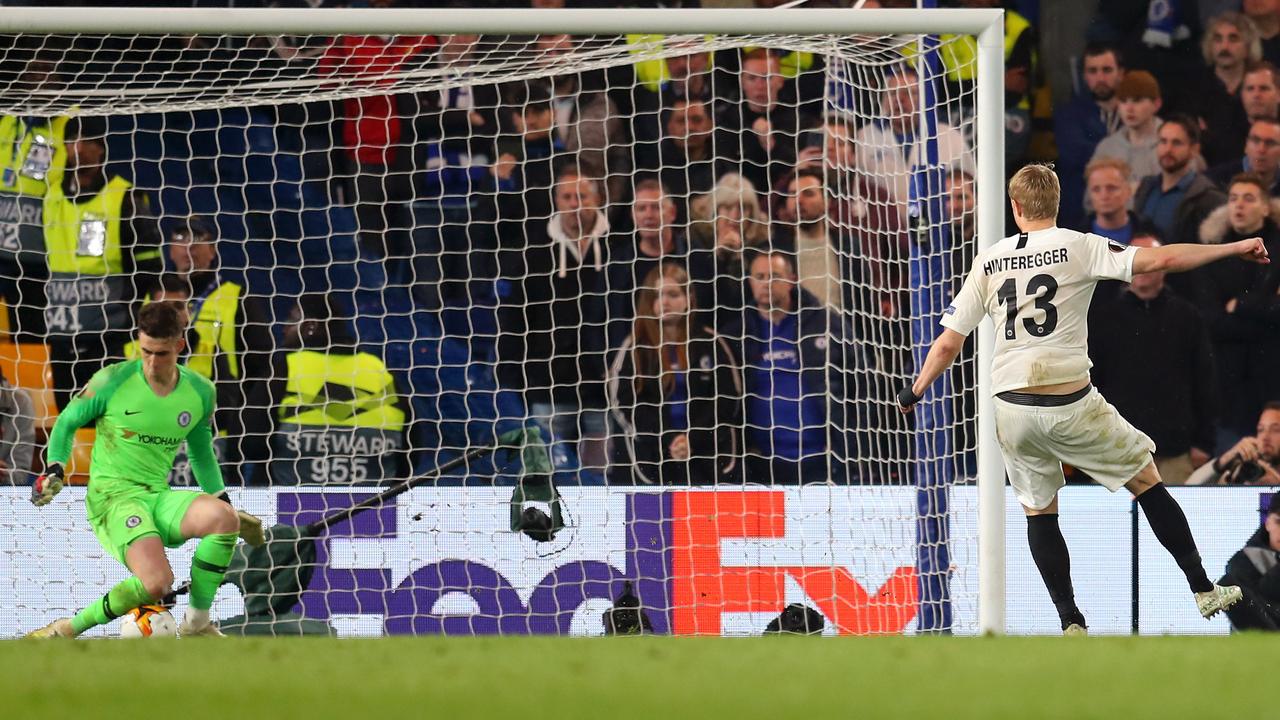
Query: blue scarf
1164, 24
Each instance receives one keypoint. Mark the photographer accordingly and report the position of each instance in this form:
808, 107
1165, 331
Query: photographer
1252, 461
1256, 569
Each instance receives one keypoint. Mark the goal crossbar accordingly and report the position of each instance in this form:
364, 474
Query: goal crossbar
335, 21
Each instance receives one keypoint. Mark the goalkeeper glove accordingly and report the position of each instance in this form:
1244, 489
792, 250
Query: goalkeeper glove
48, 485
250, 526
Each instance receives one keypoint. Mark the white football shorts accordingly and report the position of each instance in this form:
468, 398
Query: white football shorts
1088, 434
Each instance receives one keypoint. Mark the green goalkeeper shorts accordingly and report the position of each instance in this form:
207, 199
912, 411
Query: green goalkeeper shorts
121, 518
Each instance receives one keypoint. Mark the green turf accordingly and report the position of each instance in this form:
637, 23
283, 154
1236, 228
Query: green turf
665, 678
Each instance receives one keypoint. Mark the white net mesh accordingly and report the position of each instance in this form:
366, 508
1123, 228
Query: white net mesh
696, 262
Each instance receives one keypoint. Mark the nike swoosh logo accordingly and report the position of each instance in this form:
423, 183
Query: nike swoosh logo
132, 412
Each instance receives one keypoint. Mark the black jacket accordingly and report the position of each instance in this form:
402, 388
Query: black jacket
739, 149
1256, 566
1227, 125
1153, 361
527, 193
720, 286
254, 347
1247, 341
1256, 569
628, 269
553, 317
684, 177
642, 452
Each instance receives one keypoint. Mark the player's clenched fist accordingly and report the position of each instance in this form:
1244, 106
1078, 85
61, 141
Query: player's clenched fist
48, 485
1255, 250
907, 398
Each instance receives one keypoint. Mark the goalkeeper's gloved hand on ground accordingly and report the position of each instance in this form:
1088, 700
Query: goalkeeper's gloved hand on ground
48, 485
250, 525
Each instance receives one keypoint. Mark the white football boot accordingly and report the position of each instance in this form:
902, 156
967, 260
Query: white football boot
1218, 599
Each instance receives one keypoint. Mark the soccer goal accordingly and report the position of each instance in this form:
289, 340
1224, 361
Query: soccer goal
535, 219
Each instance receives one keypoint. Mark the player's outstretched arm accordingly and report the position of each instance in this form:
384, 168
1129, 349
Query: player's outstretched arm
942, 353
83, 409
1183, 257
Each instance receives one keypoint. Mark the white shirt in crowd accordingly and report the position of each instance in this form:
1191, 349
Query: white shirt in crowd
883, 159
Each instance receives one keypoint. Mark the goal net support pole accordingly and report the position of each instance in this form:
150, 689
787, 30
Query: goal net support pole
928, 280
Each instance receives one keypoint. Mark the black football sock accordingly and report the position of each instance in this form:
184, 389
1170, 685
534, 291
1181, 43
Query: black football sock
1049, 549
1170, 526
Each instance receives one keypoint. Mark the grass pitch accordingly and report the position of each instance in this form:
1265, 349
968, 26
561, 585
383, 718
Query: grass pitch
665, 678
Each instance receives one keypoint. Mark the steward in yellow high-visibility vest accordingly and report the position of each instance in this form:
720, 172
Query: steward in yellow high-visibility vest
102, 247
334, 415
959, 57
232, 341
32, 154
32, 159
229, 339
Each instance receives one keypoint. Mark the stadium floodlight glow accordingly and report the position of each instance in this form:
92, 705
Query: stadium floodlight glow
261, 63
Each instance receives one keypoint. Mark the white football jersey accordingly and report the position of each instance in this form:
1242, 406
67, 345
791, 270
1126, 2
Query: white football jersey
1036, 287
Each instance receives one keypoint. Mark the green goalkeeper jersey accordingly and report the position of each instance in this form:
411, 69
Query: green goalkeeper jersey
139, 432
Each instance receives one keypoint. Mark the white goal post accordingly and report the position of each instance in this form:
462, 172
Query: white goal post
988, 125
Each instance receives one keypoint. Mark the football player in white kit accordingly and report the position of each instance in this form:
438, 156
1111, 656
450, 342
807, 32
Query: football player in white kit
1036, 287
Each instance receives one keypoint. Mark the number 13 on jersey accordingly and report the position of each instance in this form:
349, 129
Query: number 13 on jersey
1043, 288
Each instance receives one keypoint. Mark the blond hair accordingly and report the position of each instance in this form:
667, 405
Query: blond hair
1106, 162
731, 190
1035, 188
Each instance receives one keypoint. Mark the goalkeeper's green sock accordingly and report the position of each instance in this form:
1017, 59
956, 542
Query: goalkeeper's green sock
125, 596
209, 565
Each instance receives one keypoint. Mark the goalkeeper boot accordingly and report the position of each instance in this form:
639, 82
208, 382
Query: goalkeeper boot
57, 629
1218, 599
209, 629
1075, 630
197, 623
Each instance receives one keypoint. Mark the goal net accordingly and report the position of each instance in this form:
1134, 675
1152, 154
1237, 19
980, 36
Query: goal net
699, 266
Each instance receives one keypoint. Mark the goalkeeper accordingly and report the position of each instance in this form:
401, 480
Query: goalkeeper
144, 410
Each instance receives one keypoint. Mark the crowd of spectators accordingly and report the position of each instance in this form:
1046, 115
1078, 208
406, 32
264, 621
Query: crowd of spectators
698, 267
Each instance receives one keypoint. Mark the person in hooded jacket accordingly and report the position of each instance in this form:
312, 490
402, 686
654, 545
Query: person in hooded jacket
552, 316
